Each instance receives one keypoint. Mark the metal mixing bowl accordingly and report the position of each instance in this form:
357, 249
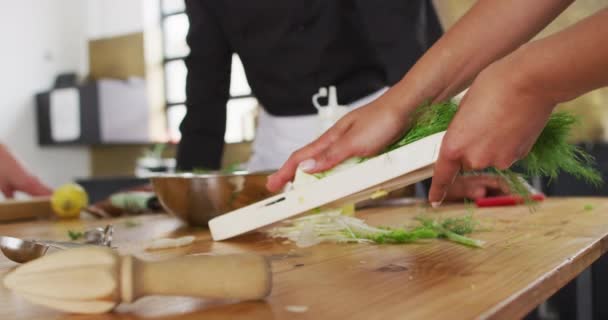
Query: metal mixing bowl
197, 198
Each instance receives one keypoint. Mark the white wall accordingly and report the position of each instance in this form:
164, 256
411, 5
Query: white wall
39, 39
107, 18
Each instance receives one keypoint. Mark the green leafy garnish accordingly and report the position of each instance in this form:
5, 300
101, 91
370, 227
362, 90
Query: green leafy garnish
454, 229
75, 235
235, 167
427, 120
552, 154
201, 171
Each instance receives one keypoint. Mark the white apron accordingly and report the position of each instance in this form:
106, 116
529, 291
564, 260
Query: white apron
276, 138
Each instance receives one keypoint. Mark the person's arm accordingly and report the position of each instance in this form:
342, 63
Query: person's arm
490, 30
508, 105
207, 91
13, 177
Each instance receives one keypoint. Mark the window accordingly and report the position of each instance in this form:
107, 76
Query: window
241, 107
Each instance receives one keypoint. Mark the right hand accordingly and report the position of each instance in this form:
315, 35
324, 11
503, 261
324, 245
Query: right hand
497, 123
361, 133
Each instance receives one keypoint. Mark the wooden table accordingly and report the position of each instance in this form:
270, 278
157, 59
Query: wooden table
528, 256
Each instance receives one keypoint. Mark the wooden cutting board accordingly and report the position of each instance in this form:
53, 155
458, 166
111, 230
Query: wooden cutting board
528, 256
15, 210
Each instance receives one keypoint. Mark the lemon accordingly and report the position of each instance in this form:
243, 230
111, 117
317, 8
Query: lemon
68, 200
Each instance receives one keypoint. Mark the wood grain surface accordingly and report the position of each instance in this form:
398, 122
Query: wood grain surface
30, 209
528, 256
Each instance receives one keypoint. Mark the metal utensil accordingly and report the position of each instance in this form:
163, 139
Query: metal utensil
22, 251
197, 198
99, 236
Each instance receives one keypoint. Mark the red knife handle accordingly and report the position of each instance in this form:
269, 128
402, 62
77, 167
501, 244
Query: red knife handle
509, 200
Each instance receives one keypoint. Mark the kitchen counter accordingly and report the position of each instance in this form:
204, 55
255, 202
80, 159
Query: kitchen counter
529, 255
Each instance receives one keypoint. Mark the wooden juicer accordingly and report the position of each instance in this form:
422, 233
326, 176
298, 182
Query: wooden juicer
97, 279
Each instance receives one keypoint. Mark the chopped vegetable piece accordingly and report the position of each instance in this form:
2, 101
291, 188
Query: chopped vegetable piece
75, 235
346, 164
296, 309
378, 194
167, 243
348, 209
302, 178
588, 207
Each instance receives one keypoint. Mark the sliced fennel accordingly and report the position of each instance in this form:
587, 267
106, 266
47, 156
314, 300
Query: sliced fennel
346, 164
333, 226
302, 178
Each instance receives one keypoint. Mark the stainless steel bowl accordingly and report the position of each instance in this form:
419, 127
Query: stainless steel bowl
197, 198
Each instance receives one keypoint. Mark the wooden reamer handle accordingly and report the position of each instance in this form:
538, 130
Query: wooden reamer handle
239, 276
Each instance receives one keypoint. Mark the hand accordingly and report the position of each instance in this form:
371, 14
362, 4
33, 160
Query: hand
13, 177
497, 123
362, 132
475, 187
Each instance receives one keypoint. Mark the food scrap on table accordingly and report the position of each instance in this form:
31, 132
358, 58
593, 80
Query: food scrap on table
296, 308
333, 226
75, 235
168, 243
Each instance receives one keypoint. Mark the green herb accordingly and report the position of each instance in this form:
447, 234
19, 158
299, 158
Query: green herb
550, 155
396, 236
75, 235
331, 226
588, 207
316, 210
201, 170
233, 196
155, 151
461, 226
427, 120
454, 229
232, 168
469, 206
235, 167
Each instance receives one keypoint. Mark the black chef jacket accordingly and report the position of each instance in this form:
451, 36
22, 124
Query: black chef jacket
289, 49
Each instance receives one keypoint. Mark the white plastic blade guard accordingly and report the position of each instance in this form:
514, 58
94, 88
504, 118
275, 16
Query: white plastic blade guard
395, 169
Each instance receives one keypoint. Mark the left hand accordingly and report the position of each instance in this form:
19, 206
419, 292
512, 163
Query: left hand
497, 123
13, 178
474, 187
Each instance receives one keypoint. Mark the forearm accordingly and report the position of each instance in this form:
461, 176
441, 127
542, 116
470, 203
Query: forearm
200, 152
207, 91
7, 161
567, 64
487, 32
